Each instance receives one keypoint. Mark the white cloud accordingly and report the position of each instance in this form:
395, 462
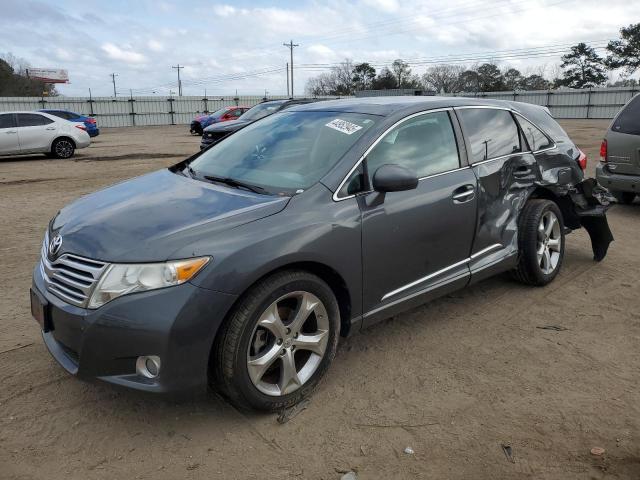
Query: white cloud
389, 6
155, 45
128, 56
224, 10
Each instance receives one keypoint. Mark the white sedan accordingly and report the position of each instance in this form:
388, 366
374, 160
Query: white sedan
38, 132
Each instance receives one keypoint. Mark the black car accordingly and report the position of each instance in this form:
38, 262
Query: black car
243, 265
217, 131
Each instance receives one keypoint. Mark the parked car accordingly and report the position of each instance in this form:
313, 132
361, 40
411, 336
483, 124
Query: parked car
619, 168
217, 131
38, 132
89, 122
225, 114
244, 264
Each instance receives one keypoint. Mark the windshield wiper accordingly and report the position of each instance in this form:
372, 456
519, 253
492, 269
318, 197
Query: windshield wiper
232, 182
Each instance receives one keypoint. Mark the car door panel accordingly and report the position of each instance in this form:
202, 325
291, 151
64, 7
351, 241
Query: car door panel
505, 171
9, 141
416, 241
34, 137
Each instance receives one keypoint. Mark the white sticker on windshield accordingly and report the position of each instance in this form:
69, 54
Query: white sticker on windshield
343, 126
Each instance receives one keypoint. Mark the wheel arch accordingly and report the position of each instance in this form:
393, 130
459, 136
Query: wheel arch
63, 137
564, 203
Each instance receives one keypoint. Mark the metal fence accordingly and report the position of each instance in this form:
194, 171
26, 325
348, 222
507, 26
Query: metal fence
586, 103
133, 111
139, 111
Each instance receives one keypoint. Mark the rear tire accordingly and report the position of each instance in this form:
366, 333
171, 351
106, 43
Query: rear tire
540, 243
278, 342
62, 148
625, 198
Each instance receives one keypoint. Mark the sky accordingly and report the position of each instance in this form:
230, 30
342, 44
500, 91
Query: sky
229, 46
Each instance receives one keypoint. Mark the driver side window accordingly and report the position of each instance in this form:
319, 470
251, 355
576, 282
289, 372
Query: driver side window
425, 144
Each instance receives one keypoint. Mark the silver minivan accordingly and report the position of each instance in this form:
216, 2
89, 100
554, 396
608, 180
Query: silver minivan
619, 168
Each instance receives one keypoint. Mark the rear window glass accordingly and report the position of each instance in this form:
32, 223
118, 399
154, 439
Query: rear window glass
491, 133
32, 120
629, 119
6, 121
535, 138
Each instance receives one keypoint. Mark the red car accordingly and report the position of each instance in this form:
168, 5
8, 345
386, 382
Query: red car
224, 114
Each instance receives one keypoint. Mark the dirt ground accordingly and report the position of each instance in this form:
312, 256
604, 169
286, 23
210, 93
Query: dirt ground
454, 379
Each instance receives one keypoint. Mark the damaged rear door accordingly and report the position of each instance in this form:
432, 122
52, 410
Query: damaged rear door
506, 173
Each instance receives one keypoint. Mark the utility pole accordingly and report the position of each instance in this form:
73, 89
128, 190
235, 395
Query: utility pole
113, 79
291, 46
287, 79
178, 67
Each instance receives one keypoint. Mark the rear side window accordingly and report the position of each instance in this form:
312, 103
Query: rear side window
535, 138
32, 120
629, 119
491, 132
7, 121
425, 144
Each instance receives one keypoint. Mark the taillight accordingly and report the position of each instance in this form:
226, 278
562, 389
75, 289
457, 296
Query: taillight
81, 127
582, 160
91, 120
603, 151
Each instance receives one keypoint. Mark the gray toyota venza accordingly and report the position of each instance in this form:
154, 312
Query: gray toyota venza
243, 265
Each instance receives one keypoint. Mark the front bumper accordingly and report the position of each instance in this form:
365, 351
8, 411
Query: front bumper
177, 323
617, 182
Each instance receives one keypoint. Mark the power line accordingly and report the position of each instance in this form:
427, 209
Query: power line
291, 46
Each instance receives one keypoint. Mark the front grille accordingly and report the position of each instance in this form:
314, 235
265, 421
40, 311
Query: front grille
70, 277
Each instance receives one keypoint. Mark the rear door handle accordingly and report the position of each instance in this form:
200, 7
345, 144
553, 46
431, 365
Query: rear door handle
10, 132
463, 194
51, 128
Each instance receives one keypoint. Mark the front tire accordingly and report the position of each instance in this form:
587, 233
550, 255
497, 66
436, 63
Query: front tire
62, 148
541, 242
278, 342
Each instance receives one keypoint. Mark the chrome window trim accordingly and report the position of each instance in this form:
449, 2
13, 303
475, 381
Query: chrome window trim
473, 256
337, 198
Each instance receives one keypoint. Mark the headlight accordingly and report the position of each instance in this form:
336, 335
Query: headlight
122, 278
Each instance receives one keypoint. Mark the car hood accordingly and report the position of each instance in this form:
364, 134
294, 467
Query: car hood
153, 217
227, 126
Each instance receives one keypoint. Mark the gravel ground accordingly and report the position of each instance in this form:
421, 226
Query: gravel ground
454, 380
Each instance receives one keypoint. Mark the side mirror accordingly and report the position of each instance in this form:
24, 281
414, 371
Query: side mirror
394, 178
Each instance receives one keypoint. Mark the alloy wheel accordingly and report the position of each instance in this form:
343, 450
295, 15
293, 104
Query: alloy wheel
64, 149
549, 242
288, 343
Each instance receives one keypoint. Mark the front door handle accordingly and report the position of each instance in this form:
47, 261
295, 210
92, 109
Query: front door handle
10, 132
463, 194
51, 128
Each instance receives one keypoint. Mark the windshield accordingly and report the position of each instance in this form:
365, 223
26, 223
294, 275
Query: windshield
260, 111
285, 152
219, 113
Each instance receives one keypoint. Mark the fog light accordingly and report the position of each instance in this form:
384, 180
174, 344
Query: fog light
148, 366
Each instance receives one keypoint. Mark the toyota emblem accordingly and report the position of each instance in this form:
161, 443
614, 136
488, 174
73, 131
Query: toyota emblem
54, 245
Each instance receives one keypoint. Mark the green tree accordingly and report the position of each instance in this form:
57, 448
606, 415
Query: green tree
385, 80
625, 53
363, 76
512, 79
535, 82
490, 78
15, 83
583, 67
470, 81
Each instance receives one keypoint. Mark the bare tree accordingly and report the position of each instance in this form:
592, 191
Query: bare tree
443, 78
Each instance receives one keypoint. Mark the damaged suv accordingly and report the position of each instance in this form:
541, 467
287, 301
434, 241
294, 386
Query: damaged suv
241, 266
